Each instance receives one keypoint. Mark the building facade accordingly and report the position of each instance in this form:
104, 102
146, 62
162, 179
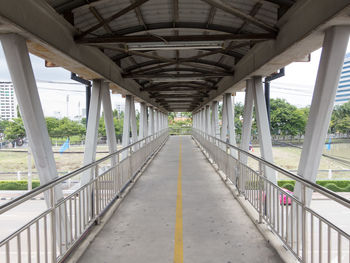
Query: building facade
343, 91
8, 102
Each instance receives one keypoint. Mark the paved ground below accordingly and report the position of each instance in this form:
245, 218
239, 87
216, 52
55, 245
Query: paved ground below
214, 226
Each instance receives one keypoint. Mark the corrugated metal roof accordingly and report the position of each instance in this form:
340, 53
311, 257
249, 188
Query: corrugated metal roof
156, 18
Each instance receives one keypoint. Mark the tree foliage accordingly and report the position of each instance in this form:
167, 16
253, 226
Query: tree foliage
340, 121
15, 129
286, 119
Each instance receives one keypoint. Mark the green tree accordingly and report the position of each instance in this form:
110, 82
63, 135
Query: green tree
340, 118
286, 119
3, 125
67, 128
52, 125
15, 129
238, 117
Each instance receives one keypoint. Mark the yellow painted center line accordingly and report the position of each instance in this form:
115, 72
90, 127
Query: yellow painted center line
178, 249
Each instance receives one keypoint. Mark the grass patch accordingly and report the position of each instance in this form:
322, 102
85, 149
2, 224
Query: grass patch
17, 185
333, 185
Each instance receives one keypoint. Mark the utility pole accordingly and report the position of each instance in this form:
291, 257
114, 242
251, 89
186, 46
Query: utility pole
67, 105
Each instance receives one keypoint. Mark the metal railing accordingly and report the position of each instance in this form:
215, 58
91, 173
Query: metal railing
57, 227
311, 234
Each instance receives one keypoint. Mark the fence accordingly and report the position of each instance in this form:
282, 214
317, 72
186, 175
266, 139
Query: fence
310, 234
50, 235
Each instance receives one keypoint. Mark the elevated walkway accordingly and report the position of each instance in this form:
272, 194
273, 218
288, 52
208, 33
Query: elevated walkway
153, 220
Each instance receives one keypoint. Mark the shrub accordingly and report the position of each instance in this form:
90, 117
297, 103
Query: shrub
333, 185
290, 187
17, 185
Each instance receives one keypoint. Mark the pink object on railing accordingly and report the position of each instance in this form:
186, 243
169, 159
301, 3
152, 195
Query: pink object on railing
285, 197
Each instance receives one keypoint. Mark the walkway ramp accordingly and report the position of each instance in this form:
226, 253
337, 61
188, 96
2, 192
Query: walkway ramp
207, 219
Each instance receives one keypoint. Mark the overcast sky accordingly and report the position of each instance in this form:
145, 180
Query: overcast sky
296, 86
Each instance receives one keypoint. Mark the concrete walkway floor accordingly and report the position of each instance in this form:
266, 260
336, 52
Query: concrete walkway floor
154, 224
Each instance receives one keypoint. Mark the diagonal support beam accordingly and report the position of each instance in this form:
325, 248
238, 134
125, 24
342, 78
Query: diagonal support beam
238, 13
113, 17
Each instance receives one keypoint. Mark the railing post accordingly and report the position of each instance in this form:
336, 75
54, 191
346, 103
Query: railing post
97, 199
53, 224
94, 195
304, 222
261, 194
130, 163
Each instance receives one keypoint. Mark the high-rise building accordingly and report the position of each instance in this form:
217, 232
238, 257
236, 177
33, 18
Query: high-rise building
343, 91
8, 102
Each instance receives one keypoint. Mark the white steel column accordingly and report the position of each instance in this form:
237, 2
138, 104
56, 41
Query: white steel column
133, 120
129, 122
203, 119
143, 121
247, 118
151, 121
207, 117
231, 122
194, 124
160, 114
223, 135
126, 122
332, 58
22, 75
215, 129
263, 127
21, 71
92, 129
228, 123
156, 128
109, 121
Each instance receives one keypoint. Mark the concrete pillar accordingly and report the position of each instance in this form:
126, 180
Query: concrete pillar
92, 129
263, 127
151, 121
109, 121
247, 118
332, 58
215, 129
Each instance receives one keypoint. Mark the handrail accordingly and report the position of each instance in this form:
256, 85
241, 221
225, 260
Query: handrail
7, 206
332, 195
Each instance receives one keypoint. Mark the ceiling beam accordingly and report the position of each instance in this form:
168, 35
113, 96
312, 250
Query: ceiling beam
171, 25
179, 100
177, 69
192, 96
166, 64
100, 19
171, 86
175, 76
70, 5
115, 39
238, 13
113, 17
226, 51
252, 13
